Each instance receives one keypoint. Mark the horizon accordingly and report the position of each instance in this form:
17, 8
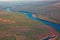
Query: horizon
28, 0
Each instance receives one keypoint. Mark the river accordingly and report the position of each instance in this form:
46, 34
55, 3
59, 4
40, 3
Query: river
51, 24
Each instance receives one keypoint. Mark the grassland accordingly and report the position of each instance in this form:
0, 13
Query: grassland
17, 26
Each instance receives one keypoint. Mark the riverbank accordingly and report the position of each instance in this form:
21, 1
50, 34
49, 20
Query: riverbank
54, 25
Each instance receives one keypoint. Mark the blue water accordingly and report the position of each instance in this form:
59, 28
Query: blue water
8, 9
49, 37
54, 25
29, 14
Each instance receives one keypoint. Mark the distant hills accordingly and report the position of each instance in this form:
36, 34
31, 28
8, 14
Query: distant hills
47, 10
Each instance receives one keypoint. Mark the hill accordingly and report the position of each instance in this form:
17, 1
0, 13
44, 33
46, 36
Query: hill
17, 26
47, 10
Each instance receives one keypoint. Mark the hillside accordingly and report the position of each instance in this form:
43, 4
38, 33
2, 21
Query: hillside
51, 13
17, 26
47, 10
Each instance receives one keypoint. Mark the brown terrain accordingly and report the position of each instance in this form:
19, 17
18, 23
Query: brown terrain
20, 27
52, 13
6, 21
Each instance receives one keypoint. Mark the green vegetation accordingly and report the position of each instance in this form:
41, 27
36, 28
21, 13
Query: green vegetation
22, 26
8, 38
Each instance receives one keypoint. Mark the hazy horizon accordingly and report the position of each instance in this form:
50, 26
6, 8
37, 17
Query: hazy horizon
29, 0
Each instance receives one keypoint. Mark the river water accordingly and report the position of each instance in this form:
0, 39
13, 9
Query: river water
54, 25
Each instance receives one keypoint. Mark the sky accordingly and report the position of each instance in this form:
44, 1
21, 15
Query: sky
29, 0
